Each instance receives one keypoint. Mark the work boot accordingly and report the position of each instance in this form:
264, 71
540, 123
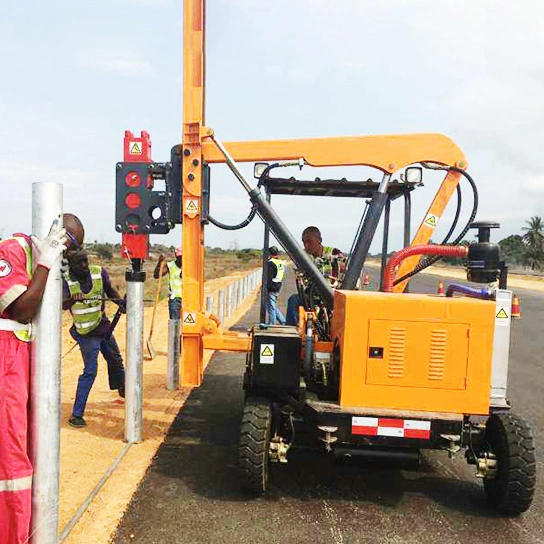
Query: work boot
77, 421
121, 391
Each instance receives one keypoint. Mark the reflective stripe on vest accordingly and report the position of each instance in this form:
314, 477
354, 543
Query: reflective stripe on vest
17, 484
174, 277
280, 270
24, 335
87, 314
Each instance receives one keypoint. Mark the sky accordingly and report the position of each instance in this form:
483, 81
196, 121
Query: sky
76, 75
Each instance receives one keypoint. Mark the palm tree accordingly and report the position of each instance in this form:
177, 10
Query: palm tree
534, 235
534, 240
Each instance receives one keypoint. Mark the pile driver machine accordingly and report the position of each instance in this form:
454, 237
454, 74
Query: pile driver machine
382, 373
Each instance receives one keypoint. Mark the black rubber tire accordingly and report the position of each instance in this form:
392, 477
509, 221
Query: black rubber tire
511, 440
254, 445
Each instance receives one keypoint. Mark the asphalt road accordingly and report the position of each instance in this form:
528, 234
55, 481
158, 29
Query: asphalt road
190, 493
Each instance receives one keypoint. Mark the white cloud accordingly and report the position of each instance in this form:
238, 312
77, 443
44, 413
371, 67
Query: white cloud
124, 63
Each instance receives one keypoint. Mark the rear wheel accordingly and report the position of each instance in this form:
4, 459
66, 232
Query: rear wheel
511, 488
254, 445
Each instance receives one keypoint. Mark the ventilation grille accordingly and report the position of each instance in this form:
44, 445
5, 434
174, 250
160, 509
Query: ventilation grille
437, 358
397, 343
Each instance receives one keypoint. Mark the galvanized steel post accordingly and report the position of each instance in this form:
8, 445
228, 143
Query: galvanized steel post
221, 305
45, 378
134, 363
174, 350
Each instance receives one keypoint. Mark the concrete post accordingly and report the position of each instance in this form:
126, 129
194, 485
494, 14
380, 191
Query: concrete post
45, 379
174, 351
134, 362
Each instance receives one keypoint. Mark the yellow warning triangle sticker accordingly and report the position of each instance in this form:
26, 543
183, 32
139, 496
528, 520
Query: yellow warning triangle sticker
191, 206
502, 314
135, 149
189, 318
267, 352
431, 221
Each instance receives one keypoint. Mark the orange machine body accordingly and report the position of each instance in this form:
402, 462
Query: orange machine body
414, 352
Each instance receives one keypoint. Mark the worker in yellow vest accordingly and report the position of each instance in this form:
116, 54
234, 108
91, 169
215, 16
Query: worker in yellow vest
22, 284
276, 273
173, 269
84, 293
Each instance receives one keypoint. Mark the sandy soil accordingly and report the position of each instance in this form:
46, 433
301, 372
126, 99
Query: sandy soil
86, 454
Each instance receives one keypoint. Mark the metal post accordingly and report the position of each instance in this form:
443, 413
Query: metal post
209, 304
240, 293
221, 305
385, 241
229, 299
235, 295
174, 349
407, 223
45, 379
134, 366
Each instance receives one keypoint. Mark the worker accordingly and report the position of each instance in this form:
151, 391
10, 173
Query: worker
330, 262
173, 269
84, 290
21, 290
275, 274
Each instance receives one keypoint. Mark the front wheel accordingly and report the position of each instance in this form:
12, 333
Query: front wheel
511, 488
254, 445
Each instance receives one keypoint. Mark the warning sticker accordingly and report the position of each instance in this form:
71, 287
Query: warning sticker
267, 354
135, 148
502, 314
189, 318
191, 207
431, 220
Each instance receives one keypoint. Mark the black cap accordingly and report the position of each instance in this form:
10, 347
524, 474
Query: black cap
273, 250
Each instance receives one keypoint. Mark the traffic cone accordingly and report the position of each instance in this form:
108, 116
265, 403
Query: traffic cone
516, 307
366, 280
441, 290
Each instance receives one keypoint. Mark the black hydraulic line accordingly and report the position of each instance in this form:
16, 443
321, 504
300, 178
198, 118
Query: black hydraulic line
428, 262
241, 225
366, 235
385, 241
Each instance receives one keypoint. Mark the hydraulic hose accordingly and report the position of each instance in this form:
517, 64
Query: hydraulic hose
475, 292
241, 225
430, 249
428, 262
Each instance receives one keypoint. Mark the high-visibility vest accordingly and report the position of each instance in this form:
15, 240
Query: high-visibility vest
280, 270
174, 277
325, 261
87, 314
25, 335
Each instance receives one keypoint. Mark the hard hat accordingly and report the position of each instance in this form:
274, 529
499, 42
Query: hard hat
273, 250
178, 251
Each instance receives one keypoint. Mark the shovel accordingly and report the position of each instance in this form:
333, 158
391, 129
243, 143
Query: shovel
149, 345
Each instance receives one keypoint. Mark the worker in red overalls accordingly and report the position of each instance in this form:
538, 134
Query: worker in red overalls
21, 289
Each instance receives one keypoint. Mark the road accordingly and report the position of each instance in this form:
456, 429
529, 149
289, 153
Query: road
190, 493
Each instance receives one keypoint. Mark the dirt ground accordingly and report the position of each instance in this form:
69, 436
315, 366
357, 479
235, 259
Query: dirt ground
86, 454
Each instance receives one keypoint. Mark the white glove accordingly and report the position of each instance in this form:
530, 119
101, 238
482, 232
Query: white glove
50, 250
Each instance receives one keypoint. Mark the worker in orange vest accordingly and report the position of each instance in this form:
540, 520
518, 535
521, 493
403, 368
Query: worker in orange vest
22, 284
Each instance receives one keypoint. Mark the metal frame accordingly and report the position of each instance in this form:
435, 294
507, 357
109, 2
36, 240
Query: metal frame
389, 154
